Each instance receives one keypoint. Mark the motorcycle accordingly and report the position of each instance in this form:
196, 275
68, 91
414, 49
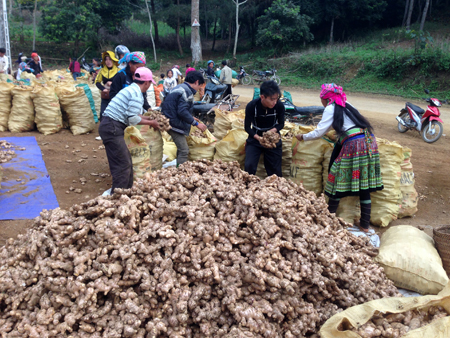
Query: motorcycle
310, 115
86, 66
427, 123
243, 77
214, 90
260, 76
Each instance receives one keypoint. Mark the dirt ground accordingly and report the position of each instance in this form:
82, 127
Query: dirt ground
431, 161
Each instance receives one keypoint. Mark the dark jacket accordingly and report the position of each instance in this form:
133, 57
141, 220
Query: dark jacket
121, 80
210, 71
36, 66
265, 119
178, 107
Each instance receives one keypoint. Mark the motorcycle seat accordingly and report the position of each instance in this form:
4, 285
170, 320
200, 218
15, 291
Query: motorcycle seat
417, 109
268, 72
260, 73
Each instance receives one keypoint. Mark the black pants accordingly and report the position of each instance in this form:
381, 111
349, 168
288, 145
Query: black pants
272, 157
103, 106
119, 157
227, 91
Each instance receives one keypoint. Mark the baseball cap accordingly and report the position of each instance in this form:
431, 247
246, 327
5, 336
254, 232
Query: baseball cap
144, 74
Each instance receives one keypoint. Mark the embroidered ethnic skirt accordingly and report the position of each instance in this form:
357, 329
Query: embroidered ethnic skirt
354, 168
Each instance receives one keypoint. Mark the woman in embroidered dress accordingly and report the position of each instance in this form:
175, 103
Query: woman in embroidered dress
354, 168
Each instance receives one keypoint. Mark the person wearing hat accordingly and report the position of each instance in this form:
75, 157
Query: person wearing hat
75, 68
23, 67
120, 52
124, 110
210, 69
105, 77
35, 64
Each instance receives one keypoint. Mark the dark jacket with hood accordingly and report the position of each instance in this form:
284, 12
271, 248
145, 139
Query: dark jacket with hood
123, 79
178, 107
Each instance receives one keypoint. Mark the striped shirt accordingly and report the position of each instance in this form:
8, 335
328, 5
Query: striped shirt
126, 106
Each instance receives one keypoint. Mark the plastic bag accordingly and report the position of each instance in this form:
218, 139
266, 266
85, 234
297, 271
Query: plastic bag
5, 104
22, 112
48, 117
201, 148
140, 152
78, 110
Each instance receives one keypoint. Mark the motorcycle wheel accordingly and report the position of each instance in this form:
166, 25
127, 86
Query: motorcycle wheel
276, 79
432, 132
246, 80
401, 127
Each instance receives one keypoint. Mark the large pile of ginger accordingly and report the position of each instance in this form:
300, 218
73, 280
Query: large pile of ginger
205, 250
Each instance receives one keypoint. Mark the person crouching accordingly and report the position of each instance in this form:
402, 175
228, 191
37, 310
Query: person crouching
124, 110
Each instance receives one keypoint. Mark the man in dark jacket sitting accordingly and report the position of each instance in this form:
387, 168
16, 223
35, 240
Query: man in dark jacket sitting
178, 107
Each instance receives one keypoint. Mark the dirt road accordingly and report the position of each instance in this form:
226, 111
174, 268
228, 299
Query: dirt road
431, 161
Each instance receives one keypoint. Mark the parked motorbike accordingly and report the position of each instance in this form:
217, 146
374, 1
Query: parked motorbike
261, 76
86, 66
427, 123
243, 77
214, 90
310, 115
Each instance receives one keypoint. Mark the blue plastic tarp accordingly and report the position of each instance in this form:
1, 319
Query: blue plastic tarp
25, 199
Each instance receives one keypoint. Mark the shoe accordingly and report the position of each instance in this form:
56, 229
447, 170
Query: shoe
98, 138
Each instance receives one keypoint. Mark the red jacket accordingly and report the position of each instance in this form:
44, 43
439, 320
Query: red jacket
74, 67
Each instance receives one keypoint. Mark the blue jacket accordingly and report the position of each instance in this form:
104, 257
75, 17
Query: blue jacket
178, 107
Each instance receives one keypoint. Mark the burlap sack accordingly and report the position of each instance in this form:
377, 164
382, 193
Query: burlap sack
232, 147
48, 117
337, 326
307, 158
97, 98
201, 148
5, 104
155, 144
223, 121
22, 112
88, 93
76, 105
410, 197
386, 203
140, 153
411, 261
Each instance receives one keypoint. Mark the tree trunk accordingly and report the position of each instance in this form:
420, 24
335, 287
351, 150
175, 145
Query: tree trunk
420, 11
214, 34
237, 25
155, 22
10, 7
253, 31
34, 24
408, 19
151, 30
405, 14
177, 32
424, 15
332, 30
196, 44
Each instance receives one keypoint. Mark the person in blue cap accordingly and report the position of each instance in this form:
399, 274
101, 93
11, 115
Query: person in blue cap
210, 70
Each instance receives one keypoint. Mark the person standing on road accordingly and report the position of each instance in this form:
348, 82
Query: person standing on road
226, 77
105, 77
124, 110
354, 168
178, 107
265, 114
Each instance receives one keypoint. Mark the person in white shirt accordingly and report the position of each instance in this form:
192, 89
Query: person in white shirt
176, 73
354, 168
169, 82
4, 63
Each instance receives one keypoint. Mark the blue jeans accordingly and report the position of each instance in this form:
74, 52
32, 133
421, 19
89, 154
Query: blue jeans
75, 75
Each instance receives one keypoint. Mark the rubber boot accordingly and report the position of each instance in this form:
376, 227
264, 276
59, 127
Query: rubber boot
333, 205
365, 215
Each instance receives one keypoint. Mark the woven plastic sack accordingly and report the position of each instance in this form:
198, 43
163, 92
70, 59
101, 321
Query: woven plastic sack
90, 98
26, 75
232, 147
336, 326
140, 153
97, 99
48, 117
307, 158
151, 99
411, 261
170, 148
201, 148
410, 197
78, 110
155, 144
223, 121
5, 104
22, 112
386, 202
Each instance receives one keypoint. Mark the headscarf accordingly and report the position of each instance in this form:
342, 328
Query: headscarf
112, 57
23, 66
33, 55
334, 93
138, 57
210, 62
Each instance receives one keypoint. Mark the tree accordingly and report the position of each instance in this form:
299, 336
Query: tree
424, 15
151, 27
196, 45
282, 26
34, 24
408, 19
114, 12
238, 4
71, 20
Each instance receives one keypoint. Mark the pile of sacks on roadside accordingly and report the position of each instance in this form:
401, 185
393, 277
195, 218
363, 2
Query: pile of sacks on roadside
304, 163
53, 102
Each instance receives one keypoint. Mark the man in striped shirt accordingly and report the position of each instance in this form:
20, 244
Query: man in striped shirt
124, 110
